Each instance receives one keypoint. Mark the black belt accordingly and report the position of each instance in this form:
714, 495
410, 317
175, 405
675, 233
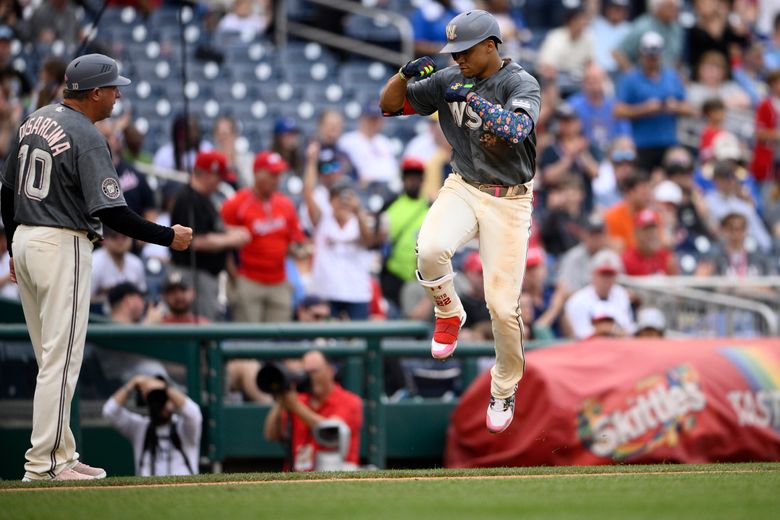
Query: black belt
500, 190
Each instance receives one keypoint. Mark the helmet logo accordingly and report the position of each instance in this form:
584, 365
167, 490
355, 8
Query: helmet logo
451, 32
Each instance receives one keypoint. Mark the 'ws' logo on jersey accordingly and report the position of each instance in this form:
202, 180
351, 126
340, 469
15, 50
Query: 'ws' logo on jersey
463, 114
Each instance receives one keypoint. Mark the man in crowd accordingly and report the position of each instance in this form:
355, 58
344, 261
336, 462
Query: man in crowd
649, 256
571, 274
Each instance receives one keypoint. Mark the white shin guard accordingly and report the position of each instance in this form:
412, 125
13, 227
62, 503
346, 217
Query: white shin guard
442, 293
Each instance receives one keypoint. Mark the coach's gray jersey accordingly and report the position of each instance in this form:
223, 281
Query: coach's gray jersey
478, 158
61, 171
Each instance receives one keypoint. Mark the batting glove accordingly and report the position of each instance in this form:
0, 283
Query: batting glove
457, 92
419, 68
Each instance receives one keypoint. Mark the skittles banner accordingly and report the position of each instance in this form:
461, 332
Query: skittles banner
605, 401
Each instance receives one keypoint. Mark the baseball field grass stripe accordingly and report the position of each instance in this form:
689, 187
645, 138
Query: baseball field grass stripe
610, 492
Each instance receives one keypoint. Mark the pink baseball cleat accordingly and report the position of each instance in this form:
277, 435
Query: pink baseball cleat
84, 469
500, 413
445, 336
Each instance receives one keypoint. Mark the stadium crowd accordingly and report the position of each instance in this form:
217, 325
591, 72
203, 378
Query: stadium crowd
656, 156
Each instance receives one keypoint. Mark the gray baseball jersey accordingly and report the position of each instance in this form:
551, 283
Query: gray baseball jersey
61, 171
513, 88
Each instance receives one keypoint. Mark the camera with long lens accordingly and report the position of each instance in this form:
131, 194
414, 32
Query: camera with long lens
277, 379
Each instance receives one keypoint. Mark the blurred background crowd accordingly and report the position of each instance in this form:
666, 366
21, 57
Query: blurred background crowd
656, 156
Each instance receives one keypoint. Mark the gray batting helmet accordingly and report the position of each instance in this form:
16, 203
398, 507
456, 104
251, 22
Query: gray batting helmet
468, 29
93, 71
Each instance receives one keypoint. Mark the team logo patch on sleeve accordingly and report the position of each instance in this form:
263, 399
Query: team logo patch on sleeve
521, 103
111, 188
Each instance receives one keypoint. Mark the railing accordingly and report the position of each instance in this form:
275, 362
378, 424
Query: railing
285, 27
712, 306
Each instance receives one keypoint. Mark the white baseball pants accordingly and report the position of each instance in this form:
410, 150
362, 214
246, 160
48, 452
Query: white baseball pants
503, 224
53, 269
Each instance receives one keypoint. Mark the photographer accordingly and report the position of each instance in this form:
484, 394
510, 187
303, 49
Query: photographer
296, 417
167, 442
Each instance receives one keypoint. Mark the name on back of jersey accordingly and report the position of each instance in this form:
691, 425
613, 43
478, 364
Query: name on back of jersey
48, 129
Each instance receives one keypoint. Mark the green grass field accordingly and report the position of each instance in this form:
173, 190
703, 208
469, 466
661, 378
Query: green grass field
728, 491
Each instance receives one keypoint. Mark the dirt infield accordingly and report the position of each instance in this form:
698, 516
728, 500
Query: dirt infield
368, 479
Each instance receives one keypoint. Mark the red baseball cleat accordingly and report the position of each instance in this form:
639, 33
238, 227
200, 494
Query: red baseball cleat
445, 336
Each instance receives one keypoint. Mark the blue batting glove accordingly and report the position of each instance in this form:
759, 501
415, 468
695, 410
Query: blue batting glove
418, 68
457, 92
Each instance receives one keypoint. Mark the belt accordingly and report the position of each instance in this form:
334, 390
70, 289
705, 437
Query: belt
500, 190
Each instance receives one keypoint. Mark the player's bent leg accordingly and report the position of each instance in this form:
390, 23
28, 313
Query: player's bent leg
450, 315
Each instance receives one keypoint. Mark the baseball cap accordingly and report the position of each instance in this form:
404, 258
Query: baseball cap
212, 161
118, 292
572, 8
286, 125
93, 71
6, 33
176, 279
371, 109
470, 28
727, 146
623, 155
534, 257
650, 318
646, 218
412, 165
473, 263
270, 161
668, 191
565, 111
606, 261
602, 310
594, 224
617, 3
651, 44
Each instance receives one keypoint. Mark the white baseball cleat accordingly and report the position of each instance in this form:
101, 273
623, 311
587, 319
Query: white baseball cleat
84, 469
445, 336
500, 413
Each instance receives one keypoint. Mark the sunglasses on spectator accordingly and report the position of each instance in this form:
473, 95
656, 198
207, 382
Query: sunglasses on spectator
623, 155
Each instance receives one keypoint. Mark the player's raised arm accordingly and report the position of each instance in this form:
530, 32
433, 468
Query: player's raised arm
393, 97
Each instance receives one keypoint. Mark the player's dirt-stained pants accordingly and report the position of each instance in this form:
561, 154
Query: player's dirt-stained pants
503, 224
53, 268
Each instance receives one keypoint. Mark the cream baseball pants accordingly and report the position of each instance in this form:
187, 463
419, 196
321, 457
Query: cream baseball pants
53, 269
503, 224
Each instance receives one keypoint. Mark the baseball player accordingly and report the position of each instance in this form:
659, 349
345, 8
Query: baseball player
488, 108
59, 187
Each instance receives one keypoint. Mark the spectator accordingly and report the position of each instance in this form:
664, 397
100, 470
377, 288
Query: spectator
177, 297
433, 148
429, 24
134, 147
569, 154
728, 197
296, 416
8, 289
595, 109
613, 172
127, 305
11, 110
51, 83
548, 301
668, 197
767, 131
603, 320
262, 292
713, 82
287, 143
660, 19
750, 72
610, 30
650, 323
652, 97
15, 83
572, 276
113, 264
714, 32
167, 441
532, 330
312, 308
250, 18
477, 326
510, 24
340, 271
731, 257
560, 226
136, 190
55, 20
212, 240
772, 53
369, 151
619, 219
605, 267
186, 141
567, 49
226, 134
714, 112
649, 256
400, 222
727, 147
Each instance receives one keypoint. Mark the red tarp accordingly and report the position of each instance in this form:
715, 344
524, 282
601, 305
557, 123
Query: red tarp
602, 401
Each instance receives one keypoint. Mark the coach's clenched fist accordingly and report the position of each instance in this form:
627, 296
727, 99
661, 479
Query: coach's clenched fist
182, 237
